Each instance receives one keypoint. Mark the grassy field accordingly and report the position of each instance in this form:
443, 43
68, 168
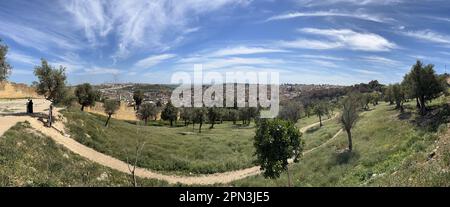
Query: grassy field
27, 158
305, 121
177, 150
316, 136
383, 141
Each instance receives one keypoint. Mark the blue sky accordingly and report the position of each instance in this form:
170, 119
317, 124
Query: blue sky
307, 41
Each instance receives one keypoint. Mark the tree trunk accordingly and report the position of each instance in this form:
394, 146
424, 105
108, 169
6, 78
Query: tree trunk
82, 107
134, 179
350, 143
289, 177
145, 121
200, 128
423, 109
212, 125
50, 116
417, 103
320, 120
171, 122
107, 120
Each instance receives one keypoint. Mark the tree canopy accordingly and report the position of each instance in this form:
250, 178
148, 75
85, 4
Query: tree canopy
349, 116
277, 141
111, 107
86, 95
138, 97
169, 113
51, 81
423, 84
5, 67
291, 111
146, 111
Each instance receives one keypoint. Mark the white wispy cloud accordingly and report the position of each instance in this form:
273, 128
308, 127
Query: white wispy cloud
22, 58
92, 17
244, 50
428, 35
324, 57
310, 44
42, 40
141, 24
341, 39
382, 60
356, 15
366, 72
353, 2
101, 71
227, 62
153, 60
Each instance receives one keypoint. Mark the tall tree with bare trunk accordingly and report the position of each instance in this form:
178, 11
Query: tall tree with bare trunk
349, 117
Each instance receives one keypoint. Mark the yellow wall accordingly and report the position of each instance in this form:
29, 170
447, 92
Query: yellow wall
12, 90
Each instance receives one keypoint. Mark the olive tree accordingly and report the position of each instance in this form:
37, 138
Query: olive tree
111, 107
398, 94
86, 95
321, 109
5, 67
349, 117
200, 117
423, 84
169, 113
146, 111
291, 112
277, 141
51, 84
213, 116
138, 97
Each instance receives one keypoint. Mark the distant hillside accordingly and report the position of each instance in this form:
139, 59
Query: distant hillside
16, 90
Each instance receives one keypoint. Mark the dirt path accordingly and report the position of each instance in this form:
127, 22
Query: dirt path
7, 122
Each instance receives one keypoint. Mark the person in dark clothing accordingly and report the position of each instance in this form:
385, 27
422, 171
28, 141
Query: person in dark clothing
31, 106
28, 106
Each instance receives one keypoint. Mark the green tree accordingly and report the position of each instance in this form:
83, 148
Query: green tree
51, 84
321, 109
5, 67
200, 117
277, 141
86, 95
234, 115
388, 95
349, 116
111, 107
213, 115
138, 97
365, 100
398, 94
169, 113
291, 112
186, 115
146, 111
375, 98
423, 84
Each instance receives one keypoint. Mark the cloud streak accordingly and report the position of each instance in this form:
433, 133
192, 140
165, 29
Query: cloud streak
361, 16
153, 60
341, 39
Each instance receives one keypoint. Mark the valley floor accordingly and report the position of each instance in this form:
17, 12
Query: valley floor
391, 149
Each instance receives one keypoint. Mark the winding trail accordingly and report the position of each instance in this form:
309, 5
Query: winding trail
111, 162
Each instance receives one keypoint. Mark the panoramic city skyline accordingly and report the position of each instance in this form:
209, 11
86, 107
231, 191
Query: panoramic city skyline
332, 42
